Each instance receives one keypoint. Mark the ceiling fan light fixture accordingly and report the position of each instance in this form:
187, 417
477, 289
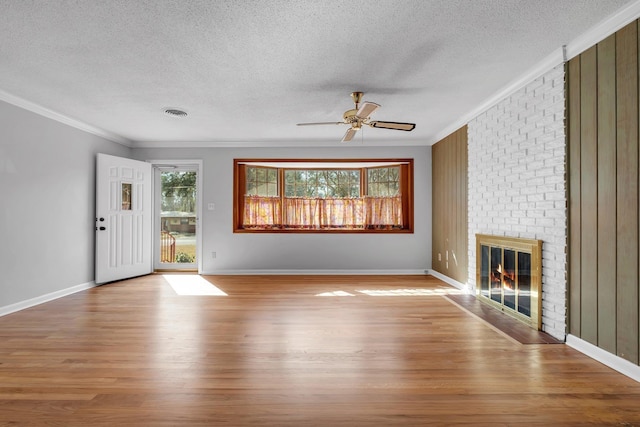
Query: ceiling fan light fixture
175, 112
359, 116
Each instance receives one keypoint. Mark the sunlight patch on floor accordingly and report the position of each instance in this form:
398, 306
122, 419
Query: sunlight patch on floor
336, 294
411, 292
396, 292
192, 284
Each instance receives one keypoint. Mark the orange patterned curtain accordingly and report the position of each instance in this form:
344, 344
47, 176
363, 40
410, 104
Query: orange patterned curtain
343, 213
383, 212
302, 212
262, 212
313, 213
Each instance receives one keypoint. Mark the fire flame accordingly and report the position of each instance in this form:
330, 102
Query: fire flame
508, 277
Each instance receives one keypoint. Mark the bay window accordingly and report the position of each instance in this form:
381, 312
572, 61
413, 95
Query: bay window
323, 195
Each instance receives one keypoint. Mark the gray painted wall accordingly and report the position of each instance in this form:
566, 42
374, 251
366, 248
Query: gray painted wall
47, 204
47, 211
243, 252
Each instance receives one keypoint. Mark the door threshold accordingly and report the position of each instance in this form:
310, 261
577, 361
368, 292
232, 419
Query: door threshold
176, 270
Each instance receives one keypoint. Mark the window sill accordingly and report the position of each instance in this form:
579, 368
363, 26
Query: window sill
324, 231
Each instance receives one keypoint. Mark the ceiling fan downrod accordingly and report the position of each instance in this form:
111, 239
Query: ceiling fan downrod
357, 97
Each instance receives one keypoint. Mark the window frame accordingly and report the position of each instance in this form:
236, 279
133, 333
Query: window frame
406, 190
366, 183
267, 182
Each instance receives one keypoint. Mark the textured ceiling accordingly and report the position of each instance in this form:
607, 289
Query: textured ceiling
248, 71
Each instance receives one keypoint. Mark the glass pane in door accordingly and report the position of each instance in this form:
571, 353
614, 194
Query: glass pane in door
178, 217
496, 274
524, 283
509, 278
484, 271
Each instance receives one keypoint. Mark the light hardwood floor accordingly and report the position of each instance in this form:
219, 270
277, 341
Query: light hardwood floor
274, 353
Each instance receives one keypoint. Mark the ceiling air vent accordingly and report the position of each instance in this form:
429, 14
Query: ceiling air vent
173, 112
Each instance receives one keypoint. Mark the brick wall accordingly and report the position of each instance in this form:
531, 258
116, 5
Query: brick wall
517, 168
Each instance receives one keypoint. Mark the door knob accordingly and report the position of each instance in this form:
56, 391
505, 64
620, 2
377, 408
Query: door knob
103, 228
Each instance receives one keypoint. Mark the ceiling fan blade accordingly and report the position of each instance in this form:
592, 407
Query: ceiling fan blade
393, 125
366, 109
348, 136
320, 123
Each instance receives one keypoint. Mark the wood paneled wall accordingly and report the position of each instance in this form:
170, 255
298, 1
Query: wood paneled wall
449, 228
602, 114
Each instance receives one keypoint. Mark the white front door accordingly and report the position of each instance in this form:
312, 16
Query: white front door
123, 218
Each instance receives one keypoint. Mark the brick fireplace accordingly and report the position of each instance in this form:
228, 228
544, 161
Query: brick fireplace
516, 184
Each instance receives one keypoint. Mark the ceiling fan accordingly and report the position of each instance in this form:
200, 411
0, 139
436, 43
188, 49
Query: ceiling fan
360, 116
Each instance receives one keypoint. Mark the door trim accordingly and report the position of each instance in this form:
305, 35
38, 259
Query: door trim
192, 163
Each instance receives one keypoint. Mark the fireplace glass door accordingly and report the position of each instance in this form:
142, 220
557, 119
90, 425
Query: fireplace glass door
509, 275
506, 278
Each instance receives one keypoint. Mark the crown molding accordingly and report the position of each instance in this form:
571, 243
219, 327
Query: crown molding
578, 45
554, 59
61, 118
604, 29
277, 144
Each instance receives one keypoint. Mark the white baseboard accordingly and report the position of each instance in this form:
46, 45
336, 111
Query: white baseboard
314, 272
448, 280
611, 360
12, 308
